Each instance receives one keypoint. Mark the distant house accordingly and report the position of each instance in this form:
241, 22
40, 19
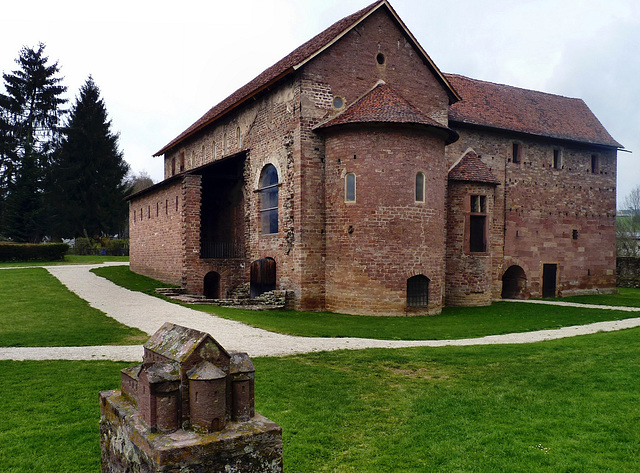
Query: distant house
358, 176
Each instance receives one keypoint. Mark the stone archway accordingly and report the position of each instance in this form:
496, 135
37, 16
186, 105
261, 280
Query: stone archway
514, 282
212, 285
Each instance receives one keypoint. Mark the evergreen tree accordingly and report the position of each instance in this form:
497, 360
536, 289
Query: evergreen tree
88, 179
30, 113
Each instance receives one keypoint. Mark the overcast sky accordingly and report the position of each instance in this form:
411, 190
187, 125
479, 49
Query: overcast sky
160, 65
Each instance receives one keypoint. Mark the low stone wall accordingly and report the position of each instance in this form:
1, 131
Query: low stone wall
628, 272
271, 300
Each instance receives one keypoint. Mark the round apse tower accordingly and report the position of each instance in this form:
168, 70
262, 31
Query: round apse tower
385, 183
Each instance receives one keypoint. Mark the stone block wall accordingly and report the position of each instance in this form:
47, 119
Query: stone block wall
468, 275
628, 272
562, 216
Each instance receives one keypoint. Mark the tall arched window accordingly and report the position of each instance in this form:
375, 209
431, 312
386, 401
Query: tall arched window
269, 199
350, 187
420, 187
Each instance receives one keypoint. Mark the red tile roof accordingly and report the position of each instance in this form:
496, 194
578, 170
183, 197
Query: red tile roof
526, 111
382, 104
472, 169
292, 62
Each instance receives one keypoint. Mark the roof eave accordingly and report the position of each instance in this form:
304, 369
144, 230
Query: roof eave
537, 135
278, 78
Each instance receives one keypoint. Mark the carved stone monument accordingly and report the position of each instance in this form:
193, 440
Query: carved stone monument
189, 407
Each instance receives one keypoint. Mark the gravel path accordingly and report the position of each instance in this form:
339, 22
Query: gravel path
148, 313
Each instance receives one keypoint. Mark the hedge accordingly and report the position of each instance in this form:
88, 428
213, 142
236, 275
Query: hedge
32, 251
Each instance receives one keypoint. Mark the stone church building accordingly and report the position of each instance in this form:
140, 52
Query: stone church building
359, 177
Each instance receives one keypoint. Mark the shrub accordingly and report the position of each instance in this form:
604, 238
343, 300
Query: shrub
32, 252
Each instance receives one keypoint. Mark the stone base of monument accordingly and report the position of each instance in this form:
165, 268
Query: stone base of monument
128, 445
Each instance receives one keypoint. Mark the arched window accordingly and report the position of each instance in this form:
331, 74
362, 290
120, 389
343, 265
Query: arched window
420, 187
269, 199
350, 187
418, 291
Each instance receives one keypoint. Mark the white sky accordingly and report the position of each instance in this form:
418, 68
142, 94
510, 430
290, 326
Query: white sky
160, 65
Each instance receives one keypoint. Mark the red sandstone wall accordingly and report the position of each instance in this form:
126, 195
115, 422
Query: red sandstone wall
543, 207
385, 237
468, 275
155, 232
348, 69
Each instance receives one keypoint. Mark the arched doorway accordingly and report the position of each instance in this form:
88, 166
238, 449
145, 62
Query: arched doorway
263, 276
212, 285
514, 281
418, 291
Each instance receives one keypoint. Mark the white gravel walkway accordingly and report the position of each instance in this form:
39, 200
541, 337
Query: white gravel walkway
149, 313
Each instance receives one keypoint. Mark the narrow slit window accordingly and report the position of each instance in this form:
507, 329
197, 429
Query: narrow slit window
595, 164
239, 137
516, 154
350, 187
557, 159
420, 187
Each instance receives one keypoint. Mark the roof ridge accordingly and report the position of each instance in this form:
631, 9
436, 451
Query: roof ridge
499, 84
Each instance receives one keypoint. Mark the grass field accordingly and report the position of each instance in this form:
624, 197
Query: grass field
569, 405
629, 297
37, 310
453, 323
68, 259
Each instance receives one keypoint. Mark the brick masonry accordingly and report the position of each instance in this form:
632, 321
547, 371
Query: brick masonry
537, 214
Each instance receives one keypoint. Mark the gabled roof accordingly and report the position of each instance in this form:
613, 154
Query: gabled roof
297, 59
178, 343
472, 169
526, 111
383, 105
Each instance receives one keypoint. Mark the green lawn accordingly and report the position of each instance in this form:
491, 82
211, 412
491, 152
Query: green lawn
68, 259
569, 405
38, 310
454, 322
629, 297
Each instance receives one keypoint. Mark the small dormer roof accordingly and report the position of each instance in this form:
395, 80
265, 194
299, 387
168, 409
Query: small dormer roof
162, 372
178, 343
205, 371
240, 363
383, 105
472, 169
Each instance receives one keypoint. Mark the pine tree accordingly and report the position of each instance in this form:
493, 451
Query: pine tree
30, 114
88, 178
